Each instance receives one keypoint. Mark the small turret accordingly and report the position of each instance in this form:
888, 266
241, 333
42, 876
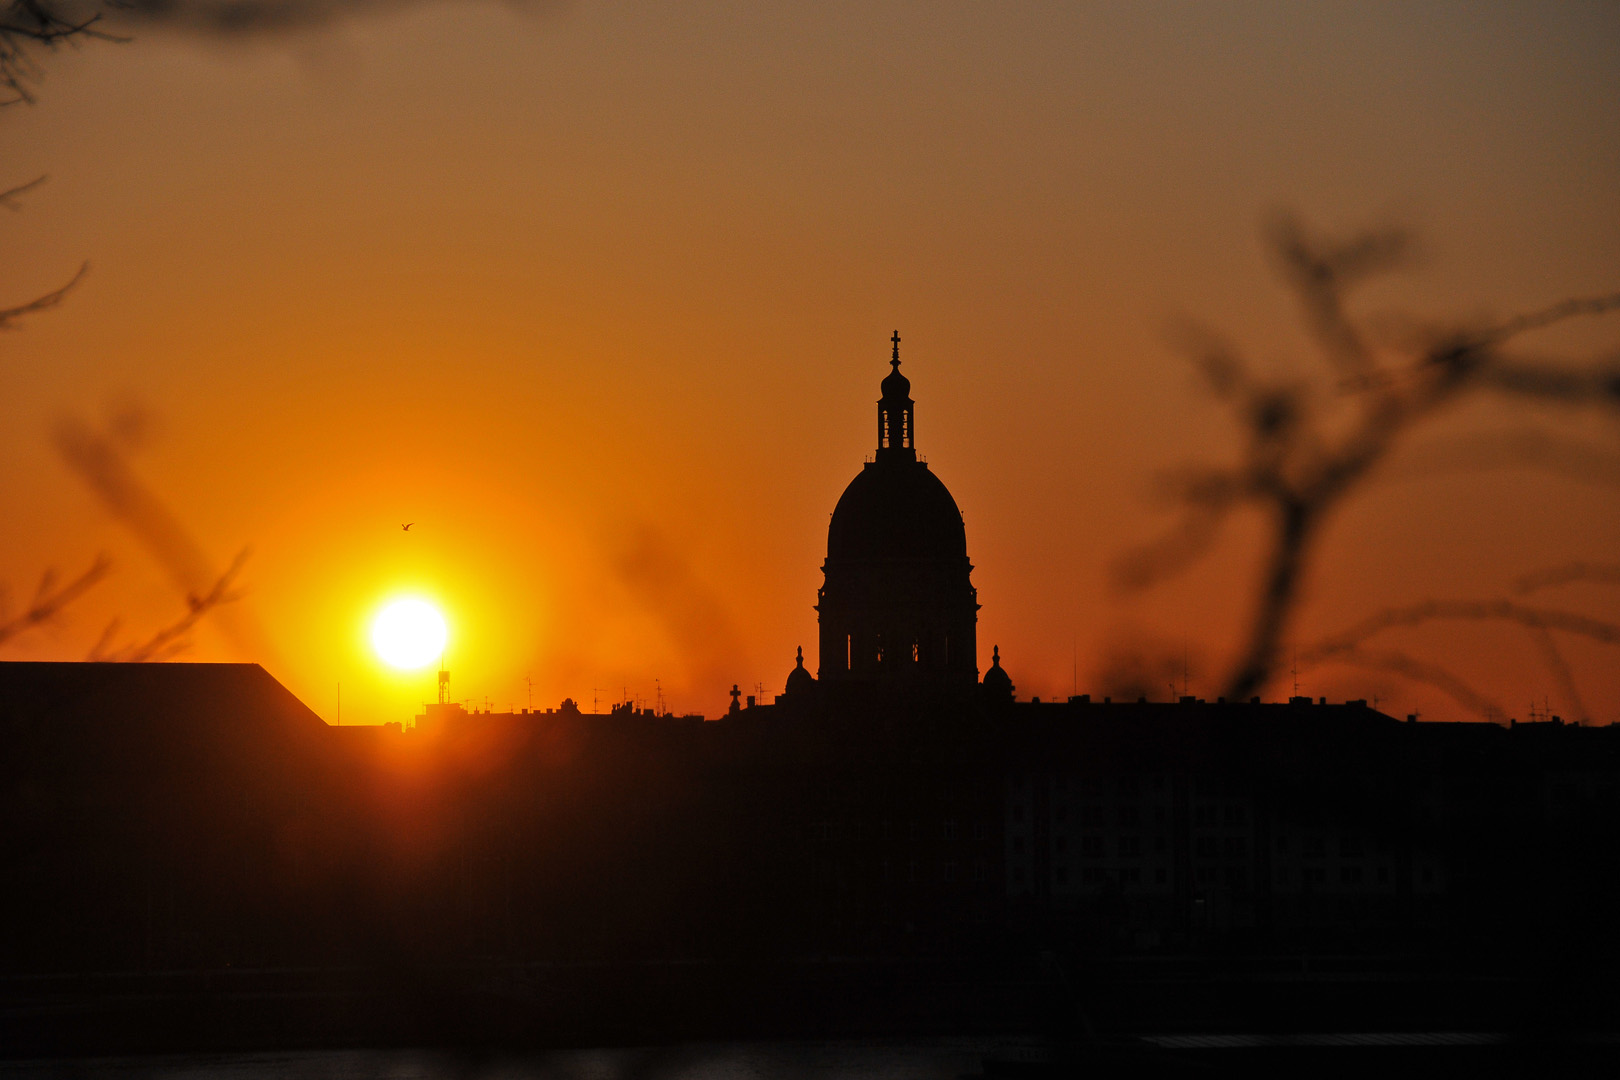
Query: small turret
998, 685
800, 683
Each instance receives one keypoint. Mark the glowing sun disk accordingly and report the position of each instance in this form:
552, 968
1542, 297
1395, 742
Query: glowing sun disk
409, 634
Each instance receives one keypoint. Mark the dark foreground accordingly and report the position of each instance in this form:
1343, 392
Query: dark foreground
946, 1058
1325, 1016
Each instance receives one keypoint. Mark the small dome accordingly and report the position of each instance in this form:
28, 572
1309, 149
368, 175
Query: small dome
998, 685
800, 681
894, 384
896, 509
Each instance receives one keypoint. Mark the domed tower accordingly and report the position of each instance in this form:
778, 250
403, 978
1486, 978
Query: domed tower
898, 608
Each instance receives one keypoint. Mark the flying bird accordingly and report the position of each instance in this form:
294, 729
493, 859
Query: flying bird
407, 526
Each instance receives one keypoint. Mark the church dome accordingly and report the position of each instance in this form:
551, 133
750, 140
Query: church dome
800, 681
998, 685
896, 509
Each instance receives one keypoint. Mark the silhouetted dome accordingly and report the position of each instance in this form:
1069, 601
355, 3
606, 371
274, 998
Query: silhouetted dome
800, 681
896, 509
998, 685
894, 384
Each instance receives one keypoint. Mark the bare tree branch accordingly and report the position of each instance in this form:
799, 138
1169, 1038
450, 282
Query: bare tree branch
10, 315
50, 599
1409, 667
1535, 618
173, 638
1604, 573
8, 198
1300, 462
1554, 656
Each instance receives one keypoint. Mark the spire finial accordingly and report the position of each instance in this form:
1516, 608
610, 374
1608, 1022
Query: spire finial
801, 656
896, 360
995, 656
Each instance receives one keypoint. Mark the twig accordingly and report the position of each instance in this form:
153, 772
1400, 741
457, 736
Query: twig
1298, 465
1604, 573
172, 639
1409, 667
49, 600
49, 300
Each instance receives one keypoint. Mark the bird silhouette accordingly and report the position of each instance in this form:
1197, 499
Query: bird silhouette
407, 526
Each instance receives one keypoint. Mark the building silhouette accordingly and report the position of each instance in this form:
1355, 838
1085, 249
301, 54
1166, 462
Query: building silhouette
787, 867
898, 611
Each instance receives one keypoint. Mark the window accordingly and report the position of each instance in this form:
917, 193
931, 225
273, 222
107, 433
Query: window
913, 831
916, 652
1205, 875
1130, 847
950, 828
1204, 815
1350, 847
1315, 847
1091, 847
888, 871
1160, 876
1282, 843
978, 873
1237, 814
1018, 845
1018, 874
979, 830
1061, 875
1018, 811
911, 870
950, 871
1204, 847
1159, 815
1236, 847
1062, 812
1130, 817
1160, 844
1092, 817
1061, 844
1131, 875
1313, 875
1350, 875
1383, 875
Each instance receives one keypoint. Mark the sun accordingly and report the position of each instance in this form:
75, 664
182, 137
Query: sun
409, 634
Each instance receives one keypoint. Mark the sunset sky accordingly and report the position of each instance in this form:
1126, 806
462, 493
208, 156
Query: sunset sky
599, 296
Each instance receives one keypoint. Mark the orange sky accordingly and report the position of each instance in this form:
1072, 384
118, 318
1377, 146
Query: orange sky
600, 297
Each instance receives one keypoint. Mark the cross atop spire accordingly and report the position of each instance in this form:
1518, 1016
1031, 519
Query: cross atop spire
896, 360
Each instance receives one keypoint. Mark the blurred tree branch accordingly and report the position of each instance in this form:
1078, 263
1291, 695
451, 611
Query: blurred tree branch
174, 638
1308, 447
50, 599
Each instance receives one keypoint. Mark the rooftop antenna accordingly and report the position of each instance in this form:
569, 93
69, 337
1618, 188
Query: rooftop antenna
529, 682
1074, 657
1183, 667
444, 683
1296, 672
595, 706
658, 696
340, 705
